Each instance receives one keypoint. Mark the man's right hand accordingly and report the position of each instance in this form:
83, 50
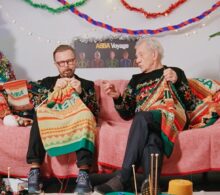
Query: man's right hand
62, 82
110, 89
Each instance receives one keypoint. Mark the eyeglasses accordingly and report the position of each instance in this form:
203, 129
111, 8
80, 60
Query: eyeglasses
64, 62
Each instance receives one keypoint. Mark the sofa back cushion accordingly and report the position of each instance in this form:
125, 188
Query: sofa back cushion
107, 110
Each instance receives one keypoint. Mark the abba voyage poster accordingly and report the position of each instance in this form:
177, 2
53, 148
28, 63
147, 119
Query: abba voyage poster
108, 53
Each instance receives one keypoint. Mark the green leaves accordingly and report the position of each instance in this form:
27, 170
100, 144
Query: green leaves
214, 35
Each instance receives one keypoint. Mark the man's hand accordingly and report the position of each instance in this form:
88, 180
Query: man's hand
110, 89
76, 84
170, 75
61, 83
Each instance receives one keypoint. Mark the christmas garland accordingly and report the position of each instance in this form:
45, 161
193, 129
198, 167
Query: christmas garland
143, 31
171, 8
56, 10
129, 31
215, 34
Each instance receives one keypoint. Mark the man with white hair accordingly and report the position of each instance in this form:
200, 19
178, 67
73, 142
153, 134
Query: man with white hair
156, 99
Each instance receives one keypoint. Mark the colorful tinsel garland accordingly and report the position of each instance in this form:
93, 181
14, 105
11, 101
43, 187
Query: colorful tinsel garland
143, 31
134, 32
56, 10
171, 8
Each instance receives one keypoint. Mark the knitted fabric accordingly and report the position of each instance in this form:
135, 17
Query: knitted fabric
17, 93
207, 109
173, 117
66, 124
4, 108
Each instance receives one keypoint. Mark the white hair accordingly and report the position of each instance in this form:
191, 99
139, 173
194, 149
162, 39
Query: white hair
152, 44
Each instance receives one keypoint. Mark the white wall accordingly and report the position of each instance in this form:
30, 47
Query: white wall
29, 35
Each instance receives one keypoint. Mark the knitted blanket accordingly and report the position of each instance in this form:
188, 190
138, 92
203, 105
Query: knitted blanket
17, 93
4, 108
66, 124
173, 117
207, 109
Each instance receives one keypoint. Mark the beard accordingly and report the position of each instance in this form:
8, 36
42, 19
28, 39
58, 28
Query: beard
67, 73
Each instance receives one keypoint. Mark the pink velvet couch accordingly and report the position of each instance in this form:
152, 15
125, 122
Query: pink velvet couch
195, 151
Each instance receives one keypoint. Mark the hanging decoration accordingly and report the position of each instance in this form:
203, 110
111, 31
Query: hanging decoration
171, 8
176, 27
56, 10
215, 34
143, 31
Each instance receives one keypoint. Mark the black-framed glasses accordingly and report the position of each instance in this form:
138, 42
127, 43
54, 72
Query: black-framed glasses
69, 62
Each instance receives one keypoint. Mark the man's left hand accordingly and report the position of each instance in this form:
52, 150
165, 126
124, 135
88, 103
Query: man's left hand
170, 75
76, 84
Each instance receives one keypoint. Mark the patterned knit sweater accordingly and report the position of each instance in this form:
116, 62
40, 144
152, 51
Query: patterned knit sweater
142, 85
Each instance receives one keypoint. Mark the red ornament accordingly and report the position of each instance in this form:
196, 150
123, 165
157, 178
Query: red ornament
171, 8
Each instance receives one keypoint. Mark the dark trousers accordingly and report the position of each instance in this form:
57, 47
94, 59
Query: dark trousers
144, 139
36, 151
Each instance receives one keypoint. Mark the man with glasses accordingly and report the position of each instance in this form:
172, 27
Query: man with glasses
65, 60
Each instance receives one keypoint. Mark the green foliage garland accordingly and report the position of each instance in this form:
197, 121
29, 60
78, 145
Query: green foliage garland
56, 10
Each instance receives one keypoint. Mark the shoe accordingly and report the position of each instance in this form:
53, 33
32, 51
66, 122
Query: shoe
113, 185
83, 185
34, 183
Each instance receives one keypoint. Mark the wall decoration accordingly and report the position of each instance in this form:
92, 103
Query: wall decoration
214, 35
171, 8
143, 31
156, 31
105, 53
56, 10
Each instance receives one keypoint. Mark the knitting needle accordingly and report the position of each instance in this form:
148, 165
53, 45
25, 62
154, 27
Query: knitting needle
135, 183
150, 185
156, 173
41, 104
9, 172
9, 176
152, 173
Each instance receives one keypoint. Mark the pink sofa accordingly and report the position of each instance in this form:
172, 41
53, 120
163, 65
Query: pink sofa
195, 151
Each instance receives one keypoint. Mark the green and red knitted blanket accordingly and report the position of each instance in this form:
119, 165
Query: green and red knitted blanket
207, 109
165, 99
173, 116
66, 124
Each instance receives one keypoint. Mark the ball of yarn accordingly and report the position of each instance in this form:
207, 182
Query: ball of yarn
10, 120
180, 187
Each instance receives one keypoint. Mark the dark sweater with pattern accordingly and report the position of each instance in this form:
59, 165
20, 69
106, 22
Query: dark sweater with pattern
142, 85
